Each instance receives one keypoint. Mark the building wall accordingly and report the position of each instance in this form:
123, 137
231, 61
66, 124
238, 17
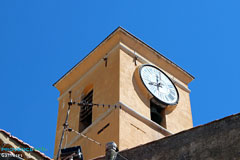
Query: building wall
135, 95
218, 140
111, 133
155, 58
112, 84
133, 132
130, 94
179, 117
105, 84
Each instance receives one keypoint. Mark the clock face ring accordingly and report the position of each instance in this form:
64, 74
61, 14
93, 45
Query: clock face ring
159, 84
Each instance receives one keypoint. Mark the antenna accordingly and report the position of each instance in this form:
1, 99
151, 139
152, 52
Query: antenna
65, 125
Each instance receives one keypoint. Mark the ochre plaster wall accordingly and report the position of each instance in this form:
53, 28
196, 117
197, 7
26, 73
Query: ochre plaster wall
134, 132
111, 133
117, 83
179, 117
86, 64
105, 83
155, 58
130, 94
133, 94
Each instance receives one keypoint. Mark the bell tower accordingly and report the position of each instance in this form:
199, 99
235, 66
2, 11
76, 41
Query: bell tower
110, 75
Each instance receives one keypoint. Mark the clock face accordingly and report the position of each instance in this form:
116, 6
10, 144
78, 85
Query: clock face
159, 84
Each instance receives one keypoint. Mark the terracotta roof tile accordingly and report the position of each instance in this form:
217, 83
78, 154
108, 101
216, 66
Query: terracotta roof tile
25, 144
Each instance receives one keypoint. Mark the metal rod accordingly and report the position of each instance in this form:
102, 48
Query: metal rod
65, 125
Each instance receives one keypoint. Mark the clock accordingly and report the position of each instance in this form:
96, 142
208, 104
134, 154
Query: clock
159, 84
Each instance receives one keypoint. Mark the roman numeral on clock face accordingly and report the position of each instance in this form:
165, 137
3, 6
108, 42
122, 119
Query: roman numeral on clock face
171, 97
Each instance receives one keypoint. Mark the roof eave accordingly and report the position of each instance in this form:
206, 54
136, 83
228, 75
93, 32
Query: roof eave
108, 37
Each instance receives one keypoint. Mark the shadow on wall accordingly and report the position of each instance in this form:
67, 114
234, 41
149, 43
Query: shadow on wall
139, 92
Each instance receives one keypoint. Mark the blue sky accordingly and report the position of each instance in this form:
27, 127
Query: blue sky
41, 40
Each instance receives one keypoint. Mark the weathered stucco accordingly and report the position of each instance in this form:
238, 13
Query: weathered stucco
116, 82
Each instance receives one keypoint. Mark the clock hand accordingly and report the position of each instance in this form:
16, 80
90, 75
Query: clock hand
157, 83
153, 83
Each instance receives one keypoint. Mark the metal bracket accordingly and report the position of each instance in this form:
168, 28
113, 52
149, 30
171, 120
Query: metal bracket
135, 60
105, 58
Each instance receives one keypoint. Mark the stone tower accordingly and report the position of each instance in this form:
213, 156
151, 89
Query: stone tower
109, 75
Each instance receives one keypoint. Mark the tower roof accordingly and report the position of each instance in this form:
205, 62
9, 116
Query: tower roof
117, 30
